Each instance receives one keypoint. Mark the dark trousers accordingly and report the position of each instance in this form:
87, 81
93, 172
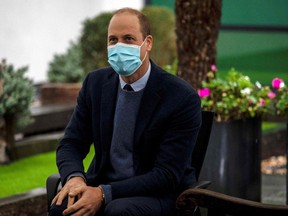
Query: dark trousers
135, 206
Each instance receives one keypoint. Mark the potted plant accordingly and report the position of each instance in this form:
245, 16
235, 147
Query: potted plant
235, 96
65, 75
233, 159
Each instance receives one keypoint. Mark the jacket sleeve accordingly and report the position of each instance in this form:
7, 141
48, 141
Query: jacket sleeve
75, 144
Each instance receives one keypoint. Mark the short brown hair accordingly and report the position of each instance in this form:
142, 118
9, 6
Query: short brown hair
143, 20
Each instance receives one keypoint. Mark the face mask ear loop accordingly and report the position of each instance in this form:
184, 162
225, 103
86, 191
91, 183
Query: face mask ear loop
145, 52
143, 43
144, 58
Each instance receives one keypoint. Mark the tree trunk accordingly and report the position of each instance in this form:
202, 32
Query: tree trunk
1, 85
197, 24
9, 128
2, 67
3, 157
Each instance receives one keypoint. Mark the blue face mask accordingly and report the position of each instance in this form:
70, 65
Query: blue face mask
125, 58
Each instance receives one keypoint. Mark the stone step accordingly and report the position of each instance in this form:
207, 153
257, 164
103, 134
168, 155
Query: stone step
37, 144
48, 118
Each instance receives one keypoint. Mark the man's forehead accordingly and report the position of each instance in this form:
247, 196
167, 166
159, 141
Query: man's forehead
124, 18
127, 23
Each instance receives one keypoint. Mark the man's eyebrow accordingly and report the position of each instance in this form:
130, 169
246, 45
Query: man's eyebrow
122, 36
111, 37
128, 35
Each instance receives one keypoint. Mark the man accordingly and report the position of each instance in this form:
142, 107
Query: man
143, 135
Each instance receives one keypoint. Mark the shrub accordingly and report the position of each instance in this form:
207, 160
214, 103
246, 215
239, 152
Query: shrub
18, 93
66, 68
94, 42
162, 21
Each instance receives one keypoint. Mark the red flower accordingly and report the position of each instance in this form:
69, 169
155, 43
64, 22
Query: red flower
271, 95
213, 68
204, 92
277, 83
261, 102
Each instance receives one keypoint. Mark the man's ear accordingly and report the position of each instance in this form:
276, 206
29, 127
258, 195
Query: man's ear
149, 40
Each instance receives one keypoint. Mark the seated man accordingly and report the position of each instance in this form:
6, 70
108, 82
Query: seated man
143, 123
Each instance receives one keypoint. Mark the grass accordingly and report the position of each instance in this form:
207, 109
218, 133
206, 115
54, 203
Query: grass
29, 173
270, 127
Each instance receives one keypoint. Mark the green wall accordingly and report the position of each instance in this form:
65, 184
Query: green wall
255, 12
167, 3
262, 56
247, 12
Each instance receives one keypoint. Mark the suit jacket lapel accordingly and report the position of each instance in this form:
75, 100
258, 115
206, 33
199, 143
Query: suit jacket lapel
108, 104
150, 100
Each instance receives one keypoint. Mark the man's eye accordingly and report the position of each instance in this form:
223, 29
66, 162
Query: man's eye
112, 40
129, 38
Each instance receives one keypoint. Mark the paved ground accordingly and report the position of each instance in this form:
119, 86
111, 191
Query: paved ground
274, 189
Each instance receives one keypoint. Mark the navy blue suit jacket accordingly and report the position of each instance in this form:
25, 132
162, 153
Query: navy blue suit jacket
166, 130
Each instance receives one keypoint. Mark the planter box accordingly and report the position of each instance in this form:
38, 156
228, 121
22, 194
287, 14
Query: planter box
233, 159
59, 93
32, 203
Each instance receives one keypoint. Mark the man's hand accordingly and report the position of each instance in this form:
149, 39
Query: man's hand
88, 203
73, 183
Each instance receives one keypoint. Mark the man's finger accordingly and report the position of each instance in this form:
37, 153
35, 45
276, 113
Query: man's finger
61, 196
73, 208
76, 191
71, 200
54, 199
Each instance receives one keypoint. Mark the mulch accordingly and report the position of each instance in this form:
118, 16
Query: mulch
275, 165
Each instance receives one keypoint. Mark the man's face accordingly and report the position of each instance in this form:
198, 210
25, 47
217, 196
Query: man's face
124, 28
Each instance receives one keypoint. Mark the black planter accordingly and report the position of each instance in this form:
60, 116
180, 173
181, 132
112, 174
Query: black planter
233, 158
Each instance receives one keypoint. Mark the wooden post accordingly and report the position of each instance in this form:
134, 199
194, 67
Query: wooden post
3, 156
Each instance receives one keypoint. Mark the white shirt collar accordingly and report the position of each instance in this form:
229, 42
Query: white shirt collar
139, 84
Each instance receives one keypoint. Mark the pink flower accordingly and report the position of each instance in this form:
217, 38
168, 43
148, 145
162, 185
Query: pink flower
213, 68
271, 95
205, 92
277, 83
262, 102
